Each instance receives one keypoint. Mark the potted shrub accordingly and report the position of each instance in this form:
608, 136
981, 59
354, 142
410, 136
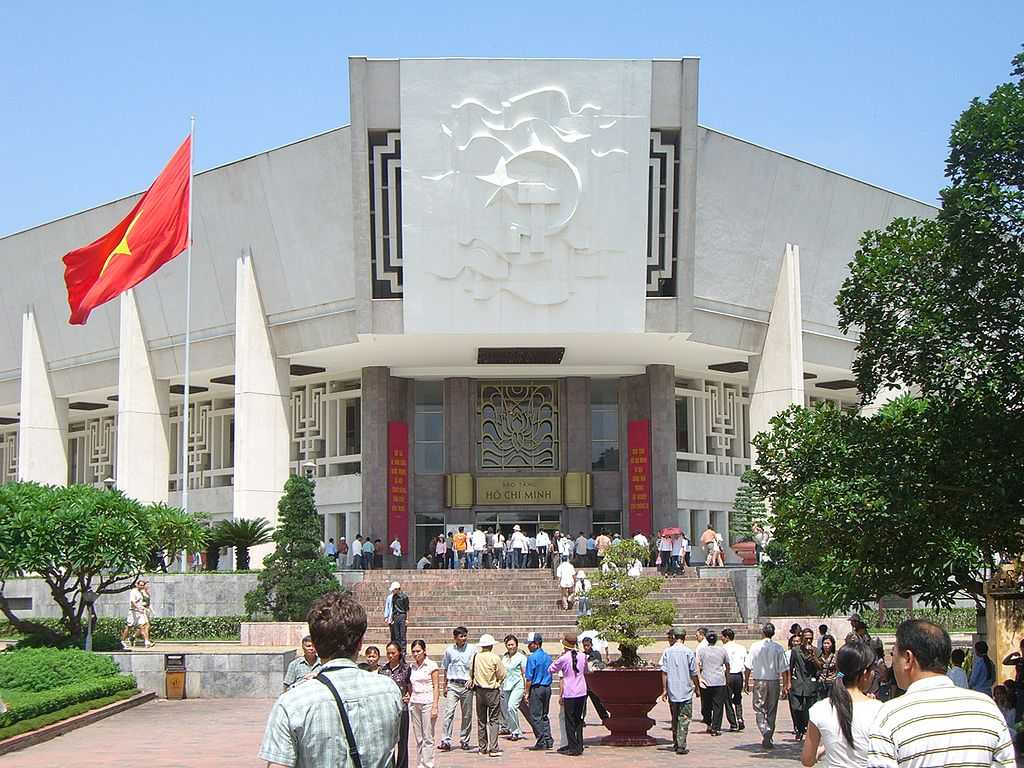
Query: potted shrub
622, 611
748, 509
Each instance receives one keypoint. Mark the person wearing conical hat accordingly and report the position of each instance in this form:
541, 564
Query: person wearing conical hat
572, 665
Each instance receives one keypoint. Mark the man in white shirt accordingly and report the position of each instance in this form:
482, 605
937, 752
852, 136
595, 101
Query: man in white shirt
479, 541
677, 555
564, 548
640, 539
935, 723
519, 547
423, 564
396, 552
581, 549
737, 660
665, 553
566, 575
543, 545
765, 665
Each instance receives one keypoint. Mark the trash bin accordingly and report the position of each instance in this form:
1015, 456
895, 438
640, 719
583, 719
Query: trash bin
174, 670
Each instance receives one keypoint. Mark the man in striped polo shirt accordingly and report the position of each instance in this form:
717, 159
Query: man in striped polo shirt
935, 723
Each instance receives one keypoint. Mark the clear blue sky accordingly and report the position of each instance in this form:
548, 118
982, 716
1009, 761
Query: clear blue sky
95, 96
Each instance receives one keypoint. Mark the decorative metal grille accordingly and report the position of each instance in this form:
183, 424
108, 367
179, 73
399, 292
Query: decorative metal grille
8, 456
211, 444
92, 447
717, 414
325, 427
386, 213
518, 425
663, 212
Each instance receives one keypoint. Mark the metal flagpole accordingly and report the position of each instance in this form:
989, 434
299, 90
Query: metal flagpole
188, 329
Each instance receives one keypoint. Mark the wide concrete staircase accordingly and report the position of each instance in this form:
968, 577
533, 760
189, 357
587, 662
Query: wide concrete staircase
516, 602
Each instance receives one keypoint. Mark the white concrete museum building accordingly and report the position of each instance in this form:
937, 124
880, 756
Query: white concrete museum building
528, 292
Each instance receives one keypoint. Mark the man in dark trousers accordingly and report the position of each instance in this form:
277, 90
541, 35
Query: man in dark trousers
538, 691
396, 617
804, 668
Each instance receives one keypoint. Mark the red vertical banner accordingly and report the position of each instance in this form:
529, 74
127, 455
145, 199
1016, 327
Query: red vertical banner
638, 443
398, 484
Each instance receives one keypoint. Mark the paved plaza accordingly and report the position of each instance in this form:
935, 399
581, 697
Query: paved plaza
226, 733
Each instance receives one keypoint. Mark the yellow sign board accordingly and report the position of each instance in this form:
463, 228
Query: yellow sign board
518, 490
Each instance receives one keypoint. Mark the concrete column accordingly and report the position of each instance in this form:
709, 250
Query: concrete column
459, 437
261, 414
664, 489
143, 428
43, 425
374, 464
777, 374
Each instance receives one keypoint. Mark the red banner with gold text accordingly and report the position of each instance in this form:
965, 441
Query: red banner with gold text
398, 483
638, 443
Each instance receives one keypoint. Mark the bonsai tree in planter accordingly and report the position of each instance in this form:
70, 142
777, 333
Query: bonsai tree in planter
748, 510
621, 608
623, 611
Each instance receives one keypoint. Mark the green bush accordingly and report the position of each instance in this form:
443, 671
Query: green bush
45, 702
42, 669
950, 619
107, 634
41, 721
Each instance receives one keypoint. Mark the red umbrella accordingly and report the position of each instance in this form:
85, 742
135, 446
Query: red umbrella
671, 532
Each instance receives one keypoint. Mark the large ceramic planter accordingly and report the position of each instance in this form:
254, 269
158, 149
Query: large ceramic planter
628, 695
746, 551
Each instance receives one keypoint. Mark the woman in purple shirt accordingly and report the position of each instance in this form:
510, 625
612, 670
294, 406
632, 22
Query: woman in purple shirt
573, 666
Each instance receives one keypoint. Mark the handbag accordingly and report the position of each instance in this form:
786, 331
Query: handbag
353, 751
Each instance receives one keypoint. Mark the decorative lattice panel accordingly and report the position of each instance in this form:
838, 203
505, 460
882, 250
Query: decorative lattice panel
211, 444
717, 417
663, 212
92, 447
8, 456
325, 426
386, 213
518, 424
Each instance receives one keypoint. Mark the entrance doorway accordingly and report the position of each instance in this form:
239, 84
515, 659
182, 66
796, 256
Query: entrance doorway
529, 521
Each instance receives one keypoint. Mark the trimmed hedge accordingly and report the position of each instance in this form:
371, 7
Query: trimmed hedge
68, 695
951, 619
107, 635
43, 669
41, 721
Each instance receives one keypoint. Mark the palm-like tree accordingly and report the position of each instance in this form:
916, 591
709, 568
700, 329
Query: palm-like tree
242, 534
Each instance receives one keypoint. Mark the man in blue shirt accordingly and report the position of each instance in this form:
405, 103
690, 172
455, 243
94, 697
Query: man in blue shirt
679, 684
538, 690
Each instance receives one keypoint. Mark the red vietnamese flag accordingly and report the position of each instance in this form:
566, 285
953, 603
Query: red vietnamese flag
153, 233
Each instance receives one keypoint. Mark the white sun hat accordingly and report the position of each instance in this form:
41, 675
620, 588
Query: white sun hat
486, 640
394, 585
516, 528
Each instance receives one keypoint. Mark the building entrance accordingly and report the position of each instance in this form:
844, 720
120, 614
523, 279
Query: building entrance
529, 521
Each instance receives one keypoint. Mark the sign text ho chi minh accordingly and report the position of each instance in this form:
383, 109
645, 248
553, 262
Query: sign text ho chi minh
518, 490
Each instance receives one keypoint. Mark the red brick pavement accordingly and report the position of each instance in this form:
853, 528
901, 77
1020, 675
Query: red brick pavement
226, 734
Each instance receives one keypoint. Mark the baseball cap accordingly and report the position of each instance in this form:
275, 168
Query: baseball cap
534, 637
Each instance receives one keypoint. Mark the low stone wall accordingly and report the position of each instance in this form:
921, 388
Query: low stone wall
173, 594
212, 675
273, 633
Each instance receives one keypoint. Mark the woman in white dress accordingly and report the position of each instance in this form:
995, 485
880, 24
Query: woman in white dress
839, 725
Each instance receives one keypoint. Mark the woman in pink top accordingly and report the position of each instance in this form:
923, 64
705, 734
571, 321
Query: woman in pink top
573, 666
426, 689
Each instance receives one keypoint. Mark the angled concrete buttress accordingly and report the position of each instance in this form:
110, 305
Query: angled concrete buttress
43, 425
261, 412
143, 428
777, 374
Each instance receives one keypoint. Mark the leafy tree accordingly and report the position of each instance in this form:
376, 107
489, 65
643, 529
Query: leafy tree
622, 610
242, 534
921, 497
81, 539
297, 572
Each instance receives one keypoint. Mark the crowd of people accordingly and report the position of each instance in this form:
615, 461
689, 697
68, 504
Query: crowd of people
849, 707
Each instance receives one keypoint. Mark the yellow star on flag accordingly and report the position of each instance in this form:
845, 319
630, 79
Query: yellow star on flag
122, 248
